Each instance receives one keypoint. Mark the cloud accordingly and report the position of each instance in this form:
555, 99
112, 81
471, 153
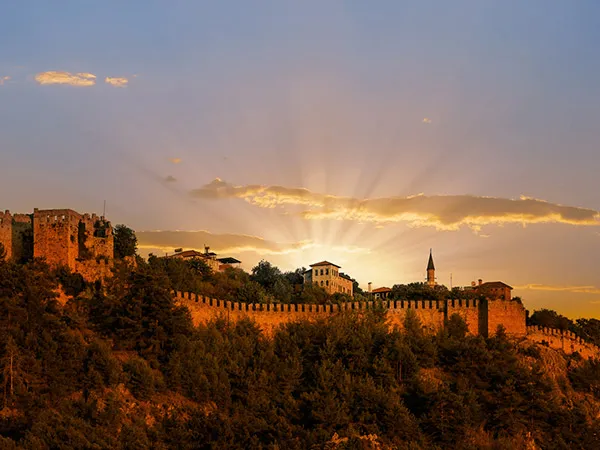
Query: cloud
170, 179
220, 243
117, 81
427, 120
573, 289
443, 212
3, 79
59, 77
175, 160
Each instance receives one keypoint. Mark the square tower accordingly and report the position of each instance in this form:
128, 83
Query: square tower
56, 236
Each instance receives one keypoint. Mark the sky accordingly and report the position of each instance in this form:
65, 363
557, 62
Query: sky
363, 133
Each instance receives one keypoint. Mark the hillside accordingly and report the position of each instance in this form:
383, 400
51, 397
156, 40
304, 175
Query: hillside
122, 366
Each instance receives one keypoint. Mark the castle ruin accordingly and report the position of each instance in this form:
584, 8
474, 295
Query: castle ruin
63, 237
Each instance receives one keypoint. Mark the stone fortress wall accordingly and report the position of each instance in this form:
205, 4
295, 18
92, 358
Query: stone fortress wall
63, 237
564, 340
482, 317
432, 313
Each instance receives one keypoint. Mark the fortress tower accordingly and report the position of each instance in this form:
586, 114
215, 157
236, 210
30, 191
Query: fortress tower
81, 242
431, 271
16, 236
56, 236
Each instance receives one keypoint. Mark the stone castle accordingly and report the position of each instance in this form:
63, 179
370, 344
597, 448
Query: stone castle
85, 244
63, 237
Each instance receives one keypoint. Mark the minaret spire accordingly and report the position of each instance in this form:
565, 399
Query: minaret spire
431, 270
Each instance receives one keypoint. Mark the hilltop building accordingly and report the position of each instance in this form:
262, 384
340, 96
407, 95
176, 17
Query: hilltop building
496, 290
328, 276
381, 293
210, 258
63, 237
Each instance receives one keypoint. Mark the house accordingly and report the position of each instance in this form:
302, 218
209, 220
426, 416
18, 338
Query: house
381, 293
328, 276
495, 290
210, 258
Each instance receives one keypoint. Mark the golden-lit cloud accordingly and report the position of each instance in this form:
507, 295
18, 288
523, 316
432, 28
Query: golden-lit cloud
4, 79
175, 160
220, 243
572, 289
60, 77
443, 212
116, 81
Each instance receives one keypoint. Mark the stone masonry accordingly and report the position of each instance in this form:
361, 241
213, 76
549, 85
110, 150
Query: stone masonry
433, 314
62, 237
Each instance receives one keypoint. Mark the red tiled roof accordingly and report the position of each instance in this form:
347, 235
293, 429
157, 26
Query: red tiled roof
325, 263
381, 289
495, 284
189, 254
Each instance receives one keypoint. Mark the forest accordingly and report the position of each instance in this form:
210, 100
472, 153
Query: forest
119, 365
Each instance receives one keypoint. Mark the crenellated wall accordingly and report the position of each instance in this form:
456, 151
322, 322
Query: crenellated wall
510, 314
432, 313
566, 341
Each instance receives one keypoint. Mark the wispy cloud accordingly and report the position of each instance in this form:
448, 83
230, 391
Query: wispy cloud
72, 79
558, 288
444, 212
221, 243
117, 81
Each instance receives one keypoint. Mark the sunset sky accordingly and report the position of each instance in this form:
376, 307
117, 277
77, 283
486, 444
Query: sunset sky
363, 133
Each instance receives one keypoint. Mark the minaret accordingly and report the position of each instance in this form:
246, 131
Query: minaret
430, 271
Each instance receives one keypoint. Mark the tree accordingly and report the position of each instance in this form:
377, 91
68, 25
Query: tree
457, 327
551, 319
265, 274
125, 242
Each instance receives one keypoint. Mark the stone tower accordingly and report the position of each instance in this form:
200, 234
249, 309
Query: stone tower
430, 271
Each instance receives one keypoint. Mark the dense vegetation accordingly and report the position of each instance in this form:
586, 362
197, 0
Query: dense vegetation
121, 366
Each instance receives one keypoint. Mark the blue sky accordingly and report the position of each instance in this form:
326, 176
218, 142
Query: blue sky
354, 100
